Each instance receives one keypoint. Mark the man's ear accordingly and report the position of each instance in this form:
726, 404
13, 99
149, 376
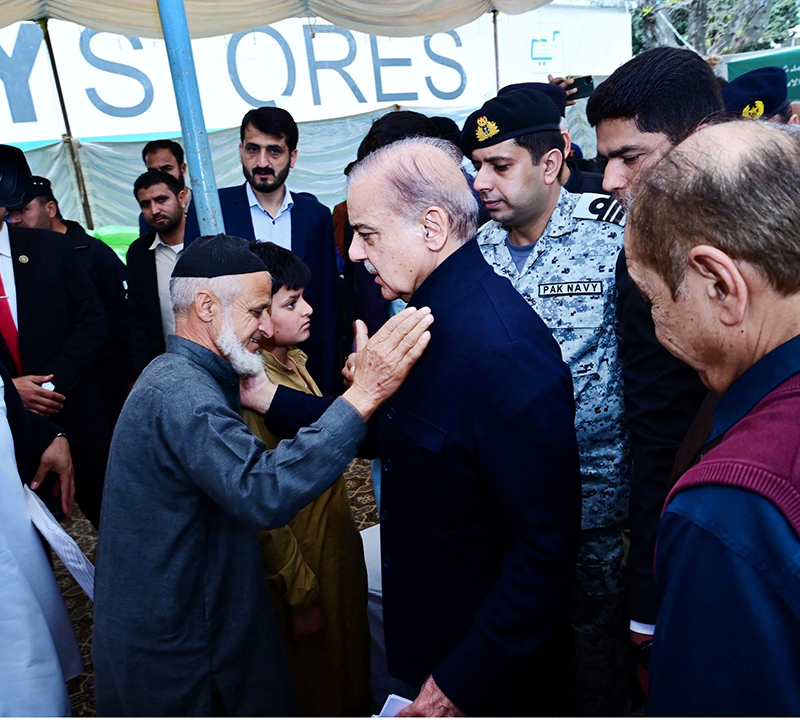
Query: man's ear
292, 158
552, 161
436, 228
205, 305
51, 208
722, 282
182, 199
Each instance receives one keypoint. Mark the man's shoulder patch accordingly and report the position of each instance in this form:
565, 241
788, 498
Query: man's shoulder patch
603, 208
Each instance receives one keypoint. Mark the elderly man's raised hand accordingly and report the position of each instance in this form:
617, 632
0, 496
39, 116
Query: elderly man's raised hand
383, 361
256, 392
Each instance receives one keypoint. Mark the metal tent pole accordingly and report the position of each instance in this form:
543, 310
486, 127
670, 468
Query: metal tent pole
187, 94
68, 139
496, 53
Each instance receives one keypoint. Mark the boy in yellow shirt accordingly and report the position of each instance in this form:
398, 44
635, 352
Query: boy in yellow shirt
315, 565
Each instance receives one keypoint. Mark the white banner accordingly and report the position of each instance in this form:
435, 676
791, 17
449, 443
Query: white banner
117, 86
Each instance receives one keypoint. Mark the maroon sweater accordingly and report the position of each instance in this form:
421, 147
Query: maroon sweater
760, 453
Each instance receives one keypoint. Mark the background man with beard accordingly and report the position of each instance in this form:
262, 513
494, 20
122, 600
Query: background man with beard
183, 622
264, 209
151, 259
167, 156
645, 108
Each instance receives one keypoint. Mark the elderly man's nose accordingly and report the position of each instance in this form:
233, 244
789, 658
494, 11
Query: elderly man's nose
357, 250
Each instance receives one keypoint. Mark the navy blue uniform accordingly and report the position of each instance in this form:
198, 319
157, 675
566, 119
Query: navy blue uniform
480, 508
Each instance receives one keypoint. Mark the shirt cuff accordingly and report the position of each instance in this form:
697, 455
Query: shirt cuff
646, 629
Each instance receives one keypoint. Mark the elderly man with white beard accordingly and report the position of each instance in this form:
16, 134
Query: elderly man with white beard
183, 621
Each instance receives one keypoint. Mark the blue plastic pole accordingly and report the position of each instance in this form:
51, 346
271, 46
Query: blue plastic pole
193, 127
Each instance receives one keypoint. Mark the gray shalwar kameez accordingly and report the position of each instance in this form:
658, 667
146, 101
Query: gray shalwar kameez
183, 620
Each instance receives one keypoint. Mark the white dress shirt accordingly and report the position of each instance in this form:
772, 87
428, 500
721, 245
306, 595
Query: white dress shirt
277, 230
7, 272
166, 257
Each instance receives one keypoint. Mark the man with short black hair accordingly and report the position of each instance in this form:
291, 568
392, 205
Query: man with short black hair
645, 107
264, 209
151, 259
558, 250
39, 209
167, 156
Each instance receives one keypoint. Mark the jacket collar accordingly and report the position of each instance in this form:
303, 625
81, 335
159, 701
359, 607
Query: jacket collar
220, 369
446, 284
757, 382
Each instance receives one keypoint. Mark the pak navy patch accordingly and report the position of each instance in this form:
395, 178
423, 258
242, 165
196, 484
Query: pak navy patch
593, 206
580, 287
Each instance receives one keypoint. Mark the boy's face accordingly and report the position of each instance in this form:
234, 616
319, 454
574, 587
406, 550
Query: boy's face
291, 317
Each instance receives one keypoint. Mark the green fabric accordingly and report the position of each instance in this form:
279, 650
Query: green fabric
789, 60
118, 237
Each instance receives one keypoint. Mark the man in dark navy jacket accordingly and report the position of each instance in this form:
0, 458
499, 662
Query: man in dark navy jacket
264, 209
480, 508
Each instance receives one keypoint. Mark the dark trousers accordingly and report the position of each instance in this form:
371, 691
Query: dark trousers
85, 422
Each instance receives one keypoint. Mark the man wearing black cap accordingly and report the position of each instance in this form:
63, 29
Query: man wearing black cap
576, 177
559, 251
183, 621
761, 94
51, 333
39, 209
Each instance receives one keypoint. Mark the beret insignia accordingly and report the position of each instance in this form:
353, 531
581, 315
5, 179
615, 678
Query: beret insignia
754, 111
486, 128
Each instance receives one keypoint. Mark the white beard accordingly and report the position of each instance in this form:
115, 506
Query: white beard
371, 269
243, 361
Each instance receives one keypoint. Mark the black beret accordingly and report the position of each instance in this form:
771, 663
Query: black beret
36, 187
517, 112
14, 175
555, 92
760, 93
212, 256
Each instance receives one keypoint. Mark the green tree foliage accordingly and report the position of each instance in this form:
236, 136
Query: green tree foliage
727, 26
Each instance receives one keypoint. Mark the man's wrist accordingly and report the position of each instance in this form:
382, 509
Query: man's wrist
262, 403
646, 629
361, 401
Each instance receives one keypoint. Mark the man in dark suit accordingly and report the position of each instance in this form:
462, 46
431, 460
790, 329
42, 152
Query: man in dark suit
151, 259
480, 509
39, 209
264, 209
167, 156
647, 106
51, 331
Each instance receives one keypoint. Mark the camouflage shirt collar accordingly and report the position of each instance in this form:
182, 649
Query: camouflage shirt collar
560, 223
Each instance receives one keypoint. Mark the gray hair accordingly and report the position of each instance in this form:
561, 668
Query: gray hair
183, 291
417, 181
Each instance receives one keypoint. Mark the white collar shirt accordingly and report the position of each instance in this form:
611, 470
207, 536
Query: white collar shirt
166, 257
7, 272
276, 230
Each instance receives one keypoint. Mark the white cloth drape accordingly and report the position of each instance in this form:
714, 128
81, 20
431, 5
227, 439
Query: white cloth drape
38, 649
398, 18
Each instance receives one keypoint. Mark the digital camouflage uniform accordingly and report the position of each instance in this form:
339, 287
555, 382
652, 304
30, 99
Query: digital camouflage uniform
569, 280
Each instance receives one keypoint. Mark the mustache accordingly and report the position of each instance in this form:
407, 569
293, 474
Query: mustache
371, 269
264, 171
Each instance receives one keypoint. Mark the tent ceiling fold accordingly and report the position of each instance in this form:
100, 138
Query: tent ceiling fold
207, 18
